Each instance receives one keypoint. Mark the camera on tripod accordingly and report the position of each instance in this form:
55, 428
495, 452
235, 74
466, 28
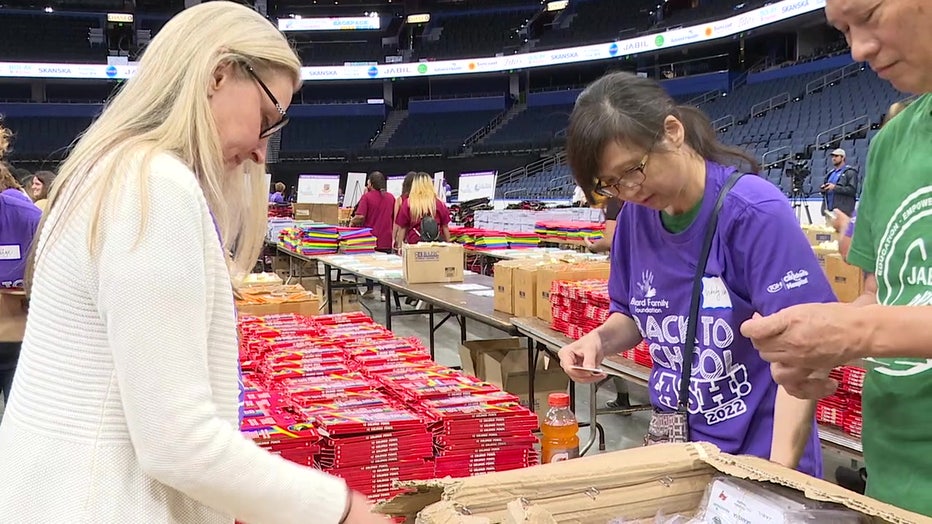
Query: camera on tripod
798, 171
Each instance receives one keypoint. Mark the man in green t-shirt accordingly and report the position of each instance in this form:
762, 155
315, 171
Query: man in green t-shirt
891, 323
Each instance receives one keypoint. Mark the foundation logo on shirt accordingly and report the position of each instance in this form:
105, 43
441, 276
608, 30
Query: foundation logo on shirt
904, 269
646, 285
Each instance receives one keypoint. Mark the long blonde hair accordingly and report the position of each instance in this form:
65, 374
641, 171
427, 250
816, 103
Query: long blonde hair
164, 107
422, 201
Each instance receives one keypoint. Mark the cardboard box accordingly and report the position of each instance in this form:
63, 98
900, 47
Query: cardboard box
503, 362
819, 234
631, 485
432, 262
547, 275
324, 213
275, 300
847, 281
503, 283
525, 291
260, 279
471, 353
822, 252
344, 300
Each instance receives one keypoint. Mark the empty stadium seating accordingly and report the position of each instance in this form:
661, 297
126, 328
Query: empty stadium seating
446, 130
63, 39
329, 133
472, 35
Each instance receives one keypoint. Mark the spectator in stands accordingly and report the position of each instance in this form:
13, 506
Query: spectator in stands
278, 196
422, 216
628, 139
840, 187
41, 185
889, 323
126, 403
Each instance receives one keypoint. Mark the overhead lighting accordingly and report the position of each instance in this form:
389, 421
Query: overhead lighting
49, 9
557, 5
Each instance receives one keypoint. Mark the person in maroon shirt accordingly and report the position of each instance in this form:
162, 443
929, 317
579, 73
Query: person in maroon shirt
421, 202
375, 211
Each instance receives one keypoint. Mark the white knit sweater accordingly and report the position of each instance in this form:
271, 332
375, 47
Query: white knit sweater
125, 401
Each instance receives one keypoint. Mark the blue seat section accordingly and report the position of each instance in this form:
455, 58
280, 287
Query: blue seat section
330, 133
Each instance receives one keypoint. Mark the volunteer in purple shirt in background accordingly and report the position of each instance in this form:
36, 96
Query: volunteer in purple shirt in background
19, 220
278, 197
628, 139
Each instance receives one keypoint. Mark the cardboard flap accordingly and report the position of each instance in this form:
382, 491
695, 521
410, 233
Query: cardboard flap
633, 484
755, 468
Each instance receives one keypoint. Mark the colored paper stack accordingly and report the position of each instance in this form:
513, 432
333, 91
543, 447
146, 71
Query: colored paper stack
522, 240
566, 231
311, 240
355, 240
579, 307
488, 240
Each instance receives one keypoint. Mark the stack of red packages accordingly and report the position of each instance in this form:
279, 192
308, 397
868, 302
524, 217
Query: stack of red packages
478, 434
640, 354
579, 307
843, 409
269, 421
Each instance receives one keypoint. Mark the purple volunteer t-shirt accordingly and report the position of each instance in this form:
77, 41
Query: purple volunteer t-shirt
19, 220
760, 261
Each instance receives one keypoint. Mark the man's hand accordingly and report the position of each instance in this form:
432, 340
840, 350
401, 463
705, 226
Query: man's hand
828, 187
841, 221
805, 339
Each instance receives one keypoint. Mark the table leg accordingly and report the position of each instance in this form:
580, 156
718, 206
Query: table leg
462, 329
430, 314
389, 295
593, 423
531, 369
329, 286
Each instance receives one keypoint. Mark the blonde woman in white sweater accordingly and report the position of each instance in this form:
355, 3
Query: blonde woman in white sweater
126, 403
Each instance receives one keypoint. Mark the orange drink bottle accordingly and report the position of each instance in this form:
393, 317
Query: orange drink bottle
560, 440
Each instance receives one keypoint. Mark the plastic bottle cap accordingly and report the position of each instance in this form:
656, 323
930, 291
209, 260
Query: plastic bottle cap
558, 400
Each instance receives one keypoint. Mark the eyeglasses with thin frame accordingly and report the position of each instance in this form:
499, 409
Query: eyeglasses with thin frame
283, 121
630, 179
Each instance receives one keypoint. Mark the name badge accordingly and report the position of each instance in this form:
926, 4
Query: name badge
10, 252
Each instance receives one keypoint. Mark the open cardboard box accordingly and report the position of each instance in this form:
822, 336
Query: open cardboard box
633, 484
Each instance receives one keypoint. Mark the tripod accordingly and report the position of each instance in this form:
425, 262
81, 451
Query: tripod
798, 201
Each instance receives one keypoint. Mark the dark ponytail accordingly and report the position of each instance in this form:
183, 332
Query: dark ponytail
622, 107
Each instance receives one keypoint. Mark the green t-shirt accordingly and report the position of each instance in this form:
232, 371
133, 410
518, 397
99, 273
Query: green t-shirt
679, 223
894, 226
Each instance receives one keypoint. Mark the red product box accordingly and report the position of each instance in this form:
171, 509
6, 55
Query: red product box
366, 421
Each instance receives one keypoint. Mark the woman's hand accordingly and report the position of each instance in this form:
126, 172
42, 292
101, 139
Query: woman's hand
840, 223
585, 352
360, 511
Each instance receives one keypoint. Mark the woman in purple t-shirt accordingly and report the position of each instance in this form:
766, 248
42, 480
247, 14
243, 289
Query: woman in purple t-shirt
629, 140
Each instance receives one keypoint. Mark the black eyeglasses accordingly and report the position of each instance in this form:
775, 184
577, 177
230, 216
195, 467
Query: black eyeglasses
283, 121
631, 179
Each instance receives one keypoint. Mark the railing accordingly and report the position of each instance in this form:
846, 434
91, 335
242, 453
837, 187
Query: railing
770, 103
531, 169
834, 76
704, 97
485, 131
720, 124
861, 123
767, 165
490, 94
741, 80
